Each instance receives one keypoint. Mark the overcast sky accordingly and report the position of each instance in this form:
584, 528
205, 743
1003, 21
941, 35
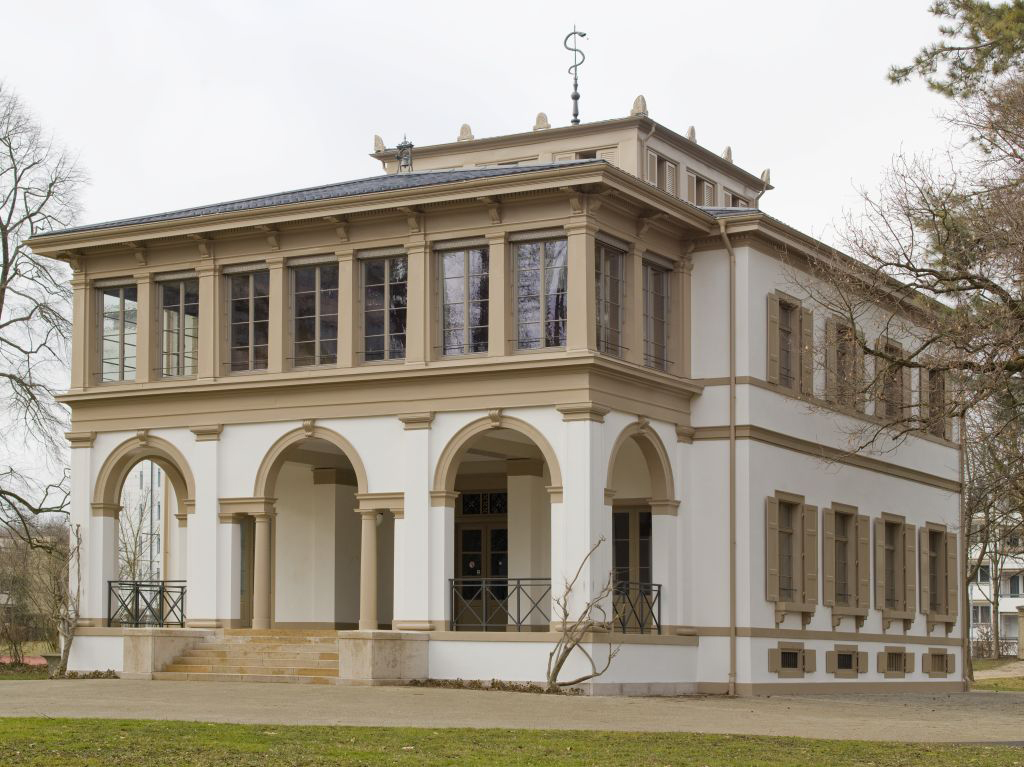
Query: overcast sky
170, 105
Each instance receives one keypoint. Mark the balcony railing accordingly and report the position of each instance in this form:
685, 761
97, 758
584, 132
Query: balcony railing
636, 607
500, 604
146, 603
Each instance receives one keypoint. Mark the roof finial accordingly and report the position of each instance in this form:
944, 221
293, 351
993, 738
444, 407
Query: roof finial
691, 134
542, 122
578, 58
727, 154
766, 176
465, 133
378, 144
639, 107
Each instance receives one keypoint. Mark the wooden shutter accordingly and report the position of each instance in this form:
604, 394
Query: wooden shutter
771, 538
810, 554
774, 660
830, 661
809, 661
863, 561
909, 568
691, 188
670, 178
609, 155
908, 663
950, 663
709, 194
879, 564
947, 422
922, 554
880, 661
773, 338
880, 372
905, 412
652, 167
922, 397
952, 574
563, 157
828, 557
858, 355
807, 352
926, 663
862, 663
831, 341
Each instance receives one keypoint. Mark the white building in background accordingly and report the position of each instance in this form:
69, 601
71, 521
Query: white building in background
984, 613
396, 413
141, 523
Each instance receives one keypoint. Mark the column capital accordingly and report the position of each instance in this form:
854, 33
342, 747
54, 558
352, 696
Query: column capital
80, 438
413, 421
583, 411
445, 498
105, 510
393, 502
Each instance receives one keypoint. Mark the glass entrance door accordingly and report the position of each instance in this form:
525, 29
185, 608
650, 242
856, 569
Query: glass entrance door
631, 566
481, 562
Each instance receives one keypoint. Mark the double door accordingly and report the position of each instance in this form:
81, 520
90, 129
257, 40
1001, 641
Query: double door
480, 593
633, 598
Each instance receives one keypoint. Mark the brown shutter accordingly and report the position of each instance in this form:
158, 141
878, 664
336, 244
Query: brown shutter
926, 662
950, 663
810, 663
710, 194
922, 554
863, 561
880, 369
691, 188
862, 663
774, 661
773, 338
771, 537
610, 156
807, 352
810, 554
922, 397
670, 178
908, 663
830, 661
952, 574
879, 564
905, 408
860, 402
652, 167
909, 568
947, 424
880, 664
831, 340
828, 557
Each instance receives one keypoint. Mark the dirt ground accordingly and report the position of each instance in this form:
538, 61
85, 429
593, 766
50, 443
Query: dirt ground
958, 717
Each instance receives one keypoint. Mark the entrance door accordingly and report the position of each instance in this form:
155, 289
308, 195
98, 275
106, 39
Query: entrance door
631, 565
481, 562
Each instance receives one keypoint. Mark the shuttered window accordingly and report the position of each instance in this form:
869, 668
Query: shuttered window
844, 365
938, 564
662, 173
895, 568
791, 549
847, 560
846, 662
934, 403
608, 289
790, 344
892, 381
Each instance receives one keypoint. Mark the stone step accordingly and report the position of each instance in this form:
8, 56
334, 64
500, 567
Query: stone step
255, 633
223, 668
194, 676
288, 641
245, 660
249, 652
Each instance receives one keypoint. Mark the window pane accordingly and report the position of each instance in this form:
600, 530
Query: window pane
305, 279
260, 333
398, 269
305, 329
240, 286
329, 277
261, 309
192, 291
305, 305
261, 283
453, 264
374, 272
374, 297
329, 301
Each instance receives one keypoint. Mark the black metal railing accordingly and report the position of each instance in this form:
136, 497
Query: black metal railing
146, 603
500, 604
636, 608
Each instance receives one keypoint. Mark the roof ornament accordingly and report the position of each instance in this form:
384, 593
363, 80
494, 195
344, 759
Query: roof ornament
542, 122
727, 154
404, 155
766, 176
639, 107
691, 134
578, 58
465, 133
378, 143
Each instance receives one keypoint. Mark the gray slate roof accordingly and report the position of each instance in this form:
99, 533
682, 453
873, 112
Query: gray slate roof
370, 185
723, 212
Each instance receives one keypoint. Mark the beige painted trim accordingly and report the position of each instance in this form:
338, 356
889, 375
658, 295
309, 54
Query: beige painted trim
583, 411
416, 421
554, 493
143, 446
80, 438
826, 453
369, 502
655, 456
443, 635
443, 498
229, 509
413, 625
524, 467
760, 632
266, 477
821, 688
684, 433
207, 433
105, 509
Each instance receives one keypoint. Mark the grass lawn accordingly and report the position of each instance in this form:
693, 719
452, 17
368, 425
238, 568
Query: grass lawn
987, 664
1001, 684
140, 743
11, 671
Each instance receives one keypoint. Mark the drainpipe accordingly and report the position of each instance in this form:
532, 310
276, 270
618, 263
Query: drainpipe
732, 456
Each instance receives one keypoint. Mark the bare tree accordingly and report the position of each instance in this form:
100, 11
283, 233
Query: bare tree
134, 537
39, 185
592, 617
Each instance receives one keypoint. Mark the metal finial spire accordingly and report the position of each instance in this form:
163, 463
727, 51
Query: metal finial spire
577, 59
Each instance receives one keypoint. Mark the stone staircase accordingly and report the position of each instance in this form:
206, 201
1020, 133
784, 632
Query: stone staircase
270, 655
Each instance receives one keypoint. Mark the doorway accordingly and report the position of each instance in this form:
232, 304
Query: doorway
632, 553
481, 560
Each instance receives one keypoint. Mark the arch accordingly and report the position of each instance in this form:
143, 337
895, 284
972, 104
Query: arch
143, 447
266, 476
655, 456
448, 463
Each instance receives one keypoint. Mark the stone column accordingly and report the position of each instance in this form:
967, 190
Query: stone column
209, 314
147, 355
278, 338
348, 284
368, 572
501, 323
581, 324
261, 571
82, 341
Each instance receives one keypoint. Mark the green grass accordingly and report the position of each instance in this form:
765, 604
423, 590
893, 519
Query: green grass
83, 742
1000, 684
987, 664
11, 671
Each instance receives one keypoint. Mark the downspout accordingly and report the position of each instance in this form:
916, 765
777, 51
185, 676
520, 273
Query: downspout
965, 597
642, 159
732, 456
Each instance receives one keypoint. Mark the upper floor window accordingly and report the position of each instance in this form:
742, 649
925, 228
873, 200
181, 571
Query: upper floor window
656, 304
981, 614
385, 283
844, 366
315, 309
733, 200
179, 327
938, 573
120, 328
935, 402
249, 294
893, 382
541, 296
701, 191
790, 342
984, 574
608, 286
662, 172
465, 289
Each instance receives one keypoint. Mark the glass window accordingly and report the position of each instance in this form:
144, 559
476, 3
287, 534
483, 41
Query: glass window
249, 297
464, 300
936, 580
893, 587
541, 293
844, 523
787, 324
179, 327
384, 305
119, 329
608, 287
315, 314
787, 581
936, 402
656, 302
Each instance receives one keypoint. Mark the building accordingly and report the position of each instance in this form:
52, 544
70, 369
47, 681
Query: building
401, 410
1003, 604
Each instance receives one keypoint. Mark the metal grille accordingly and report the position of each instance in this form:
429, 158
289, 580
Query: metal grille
500, 604
637, 607
146, 603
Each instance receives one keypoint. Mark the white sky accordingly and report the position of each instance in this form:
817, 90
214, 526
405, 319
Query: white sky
177, 104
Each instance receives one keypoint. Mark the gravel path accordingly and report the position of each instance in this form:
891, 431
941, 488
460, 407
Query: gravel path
1010, 669
958, 717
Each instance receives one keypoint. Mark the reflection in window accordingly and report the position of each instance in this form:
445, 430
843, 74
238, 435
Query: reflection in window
656, 293
541, 293
120, 318
179, 332
384, 306
315, 309
608, 287
464, 300
250, 320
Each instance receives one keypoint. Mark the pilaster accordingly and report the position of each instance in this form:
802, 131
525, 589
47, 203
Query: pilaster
278, 331
209, 321
418, 287
500, 319
347, 303
581, 322
147, 355
633, 332
81, 331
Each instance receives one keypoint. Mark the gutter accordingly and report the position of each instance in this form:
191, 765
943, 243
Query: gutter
722, 228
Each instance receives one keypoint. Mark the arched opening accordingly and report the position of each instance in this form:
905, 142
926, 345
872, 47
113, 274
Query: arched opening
501, 482
311, 477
